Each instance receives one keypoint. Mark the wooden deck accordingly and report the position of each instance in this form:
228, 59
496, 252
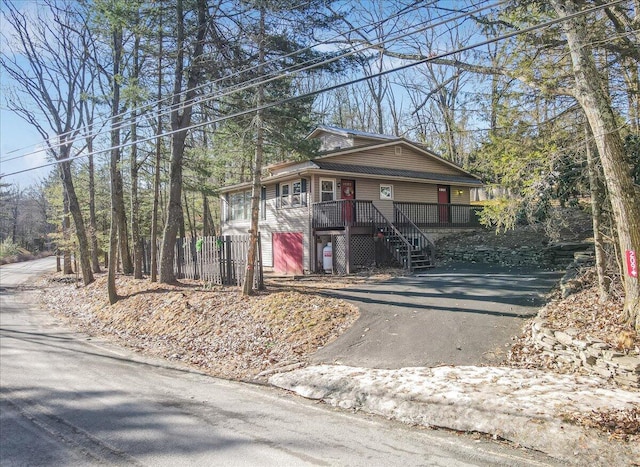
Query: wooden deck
337, 215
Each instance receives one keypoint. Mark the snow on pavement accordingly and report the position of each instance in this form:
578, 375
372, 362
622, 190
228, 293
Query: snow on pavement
527, 407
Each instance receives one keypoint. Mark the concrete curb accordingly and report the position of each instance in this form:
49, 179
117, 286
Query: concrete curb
522, 406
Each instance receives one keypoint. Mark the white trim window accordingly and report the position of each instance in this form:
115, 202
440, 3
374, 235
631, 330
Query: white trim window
386, 192
296, 193
292, 194
240, 206
327, 189
284, 195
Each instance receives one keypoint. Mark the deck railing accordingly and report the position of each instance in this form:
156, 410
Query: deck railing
341, 213
416, 237
438, 215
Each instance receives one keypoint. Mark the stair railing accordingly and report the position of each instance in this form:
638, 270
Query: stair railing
411, 231
381, 223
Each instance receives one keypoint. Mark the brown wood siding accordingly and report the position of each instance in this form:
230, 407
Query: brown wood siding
362, 141
386, 157
460, 195
368, 189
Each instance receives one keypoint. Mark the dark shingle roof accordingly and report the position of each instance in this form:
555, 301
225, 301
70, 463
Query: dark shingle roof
364, 169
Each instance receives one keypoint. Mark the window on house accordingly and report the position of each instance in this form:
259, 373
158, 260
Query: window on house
327, 190
240, 206
284, 195
296, 191
292, 194
386, 191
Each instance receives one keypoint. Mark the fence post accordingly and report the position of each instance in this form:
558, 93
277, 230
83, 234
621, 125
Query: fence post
259, 261
229, 265
144, 256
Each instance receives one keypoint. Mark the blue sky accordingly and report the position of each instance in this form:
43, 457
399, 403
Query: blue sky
16, 134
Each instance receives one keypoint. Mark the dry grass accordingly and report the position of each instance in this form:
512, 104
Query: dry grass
214, 329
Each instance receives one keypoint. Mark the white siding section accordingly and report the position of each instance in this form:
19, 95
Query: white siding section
277, 220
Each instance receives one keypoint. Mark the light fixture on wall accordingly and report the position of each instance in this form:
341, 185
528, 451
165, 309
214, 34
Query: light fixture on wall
459, 192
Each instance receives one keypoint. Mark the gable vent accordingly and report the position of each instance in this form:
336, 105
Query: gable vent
398, 150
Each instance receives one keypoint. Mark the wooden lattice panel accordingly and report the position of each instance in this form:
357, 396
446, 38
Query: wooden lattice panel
340, 254
362, 251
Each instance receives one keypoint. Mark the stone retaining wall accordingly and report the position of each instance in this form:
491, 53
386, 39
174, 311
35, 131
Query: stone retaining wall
552, 256
593, 356
564, 349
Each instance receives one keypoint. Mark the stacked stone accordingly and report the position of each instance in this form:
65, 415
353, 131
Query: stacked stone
594, 356
554, 256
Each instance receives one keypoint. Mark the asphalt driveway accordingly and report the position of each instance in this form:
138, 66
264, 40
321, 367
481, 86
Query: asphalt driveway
459, 314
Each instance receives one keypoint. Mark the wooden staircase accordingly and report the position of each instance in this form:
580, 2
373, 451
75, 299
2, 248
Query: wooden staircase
409, 246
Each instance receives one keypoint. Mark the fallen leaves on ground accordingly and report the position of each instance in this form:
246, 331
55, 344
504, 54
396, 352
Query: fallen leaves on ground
586, 315
621, 424
215, 329
590, 319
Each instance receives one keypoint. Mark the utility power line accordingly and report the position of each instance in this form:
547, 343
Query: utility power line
172, 107
529, 29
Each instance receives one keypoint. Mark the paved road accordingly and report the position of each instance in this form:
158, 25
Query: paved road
459, 314
67, 399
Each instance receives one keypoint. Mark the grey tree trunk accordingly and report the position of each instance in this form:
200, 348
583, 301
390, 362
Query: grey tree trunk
76, 213
134, 168
254, 232
597, 197
123, 231
66, 235
93, 224
597, 107
156, 168
179, 123
114, 172
135, 204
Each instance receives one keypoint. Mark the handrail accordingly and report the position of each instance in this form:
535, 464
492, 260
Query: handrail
380, 219
429, 245
341, 213
438, 215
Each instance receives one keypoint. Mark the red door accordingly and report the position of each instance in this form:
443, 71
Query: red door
348, 193
287, 252
444, 198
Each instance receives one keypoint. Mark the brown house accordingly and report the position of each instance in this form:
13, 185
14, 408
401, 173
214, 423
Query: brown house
374, 198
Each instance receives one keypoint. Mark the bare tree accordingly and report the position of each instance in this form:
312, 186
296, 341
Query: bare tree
47, 60
182, 109
596, 104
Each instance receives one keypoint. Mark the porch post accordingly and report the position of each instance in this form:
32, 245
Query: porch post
347, 252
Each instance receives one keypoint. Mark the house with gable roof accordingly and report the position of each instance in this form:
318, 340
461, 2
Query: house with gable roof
372, 198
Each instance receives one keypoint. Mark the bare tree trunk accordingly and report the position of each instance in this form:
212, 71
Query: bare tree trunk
66, 235
596, 214
208, 228
123, 234
192, 229
14, 215
254, 232
76, 213
93, 224
597, 107
134, 167
632, 81
156, 175
179, 123
135, 203
114, 175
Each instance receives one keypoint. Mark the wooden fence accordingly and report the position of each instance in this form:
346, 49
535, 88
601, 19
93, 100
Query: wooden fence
216, 260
